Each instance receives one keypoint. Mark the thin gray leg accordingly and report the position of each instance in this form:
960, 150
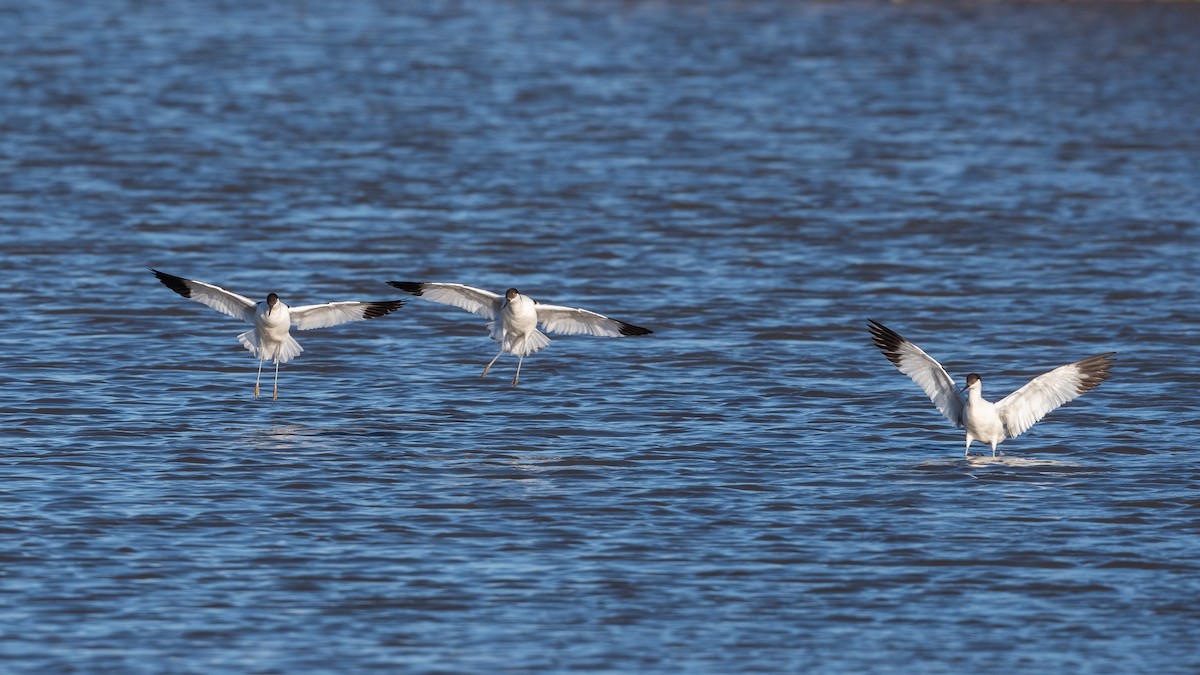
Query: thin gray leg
275, 397
520, 360
489, 365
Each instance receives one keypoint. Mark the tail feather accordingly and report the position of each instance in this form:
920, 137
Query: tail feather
521, 345
527, 344
287, 351
249, 340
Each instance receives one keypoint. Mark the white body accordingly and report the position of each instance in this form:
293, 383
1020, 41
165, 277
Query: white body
271, 338
515, 329
982, 420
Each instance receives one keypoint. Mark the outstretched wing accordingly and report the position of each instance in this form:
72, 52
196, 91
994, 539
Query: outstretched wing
333, 313
927, 373
574, 321
474, 300
1025, 406
237, 306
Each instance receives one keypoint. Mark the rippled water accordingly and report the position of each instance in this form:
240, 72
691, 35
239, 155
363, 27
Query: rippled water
751, 489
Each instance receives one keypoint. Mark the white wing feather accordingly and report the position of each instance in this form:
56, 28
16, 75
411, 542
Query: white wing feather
225, 302
328, 314
474, 300
923, 369
1022, 409
574, 321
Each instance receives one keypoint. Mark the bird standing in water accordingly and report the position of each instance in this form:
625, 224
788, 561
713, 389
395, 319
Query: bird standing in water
985, 421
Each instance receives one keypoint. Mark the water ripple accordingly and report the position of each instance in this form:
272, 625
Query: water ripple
752, 489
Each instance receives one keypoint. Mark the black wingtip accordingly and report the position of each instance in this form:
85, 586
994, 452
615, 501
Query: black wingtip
631, 330
177, 284
1095, 369
886, 340
374, 310
409, 287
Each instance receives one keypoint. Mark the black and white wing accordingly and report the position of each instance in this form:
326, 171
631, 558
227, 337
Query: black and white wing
927, 373
574, 321
1025, 406
225, 302
333, 313
475, 300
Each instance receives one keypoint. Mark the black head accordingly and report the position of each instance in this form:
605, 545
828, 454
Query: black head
272, 299
973, 378
510, 294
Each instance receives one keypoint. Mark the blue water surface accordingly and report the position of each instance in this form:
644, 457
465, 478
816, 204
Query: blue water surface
753, 488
